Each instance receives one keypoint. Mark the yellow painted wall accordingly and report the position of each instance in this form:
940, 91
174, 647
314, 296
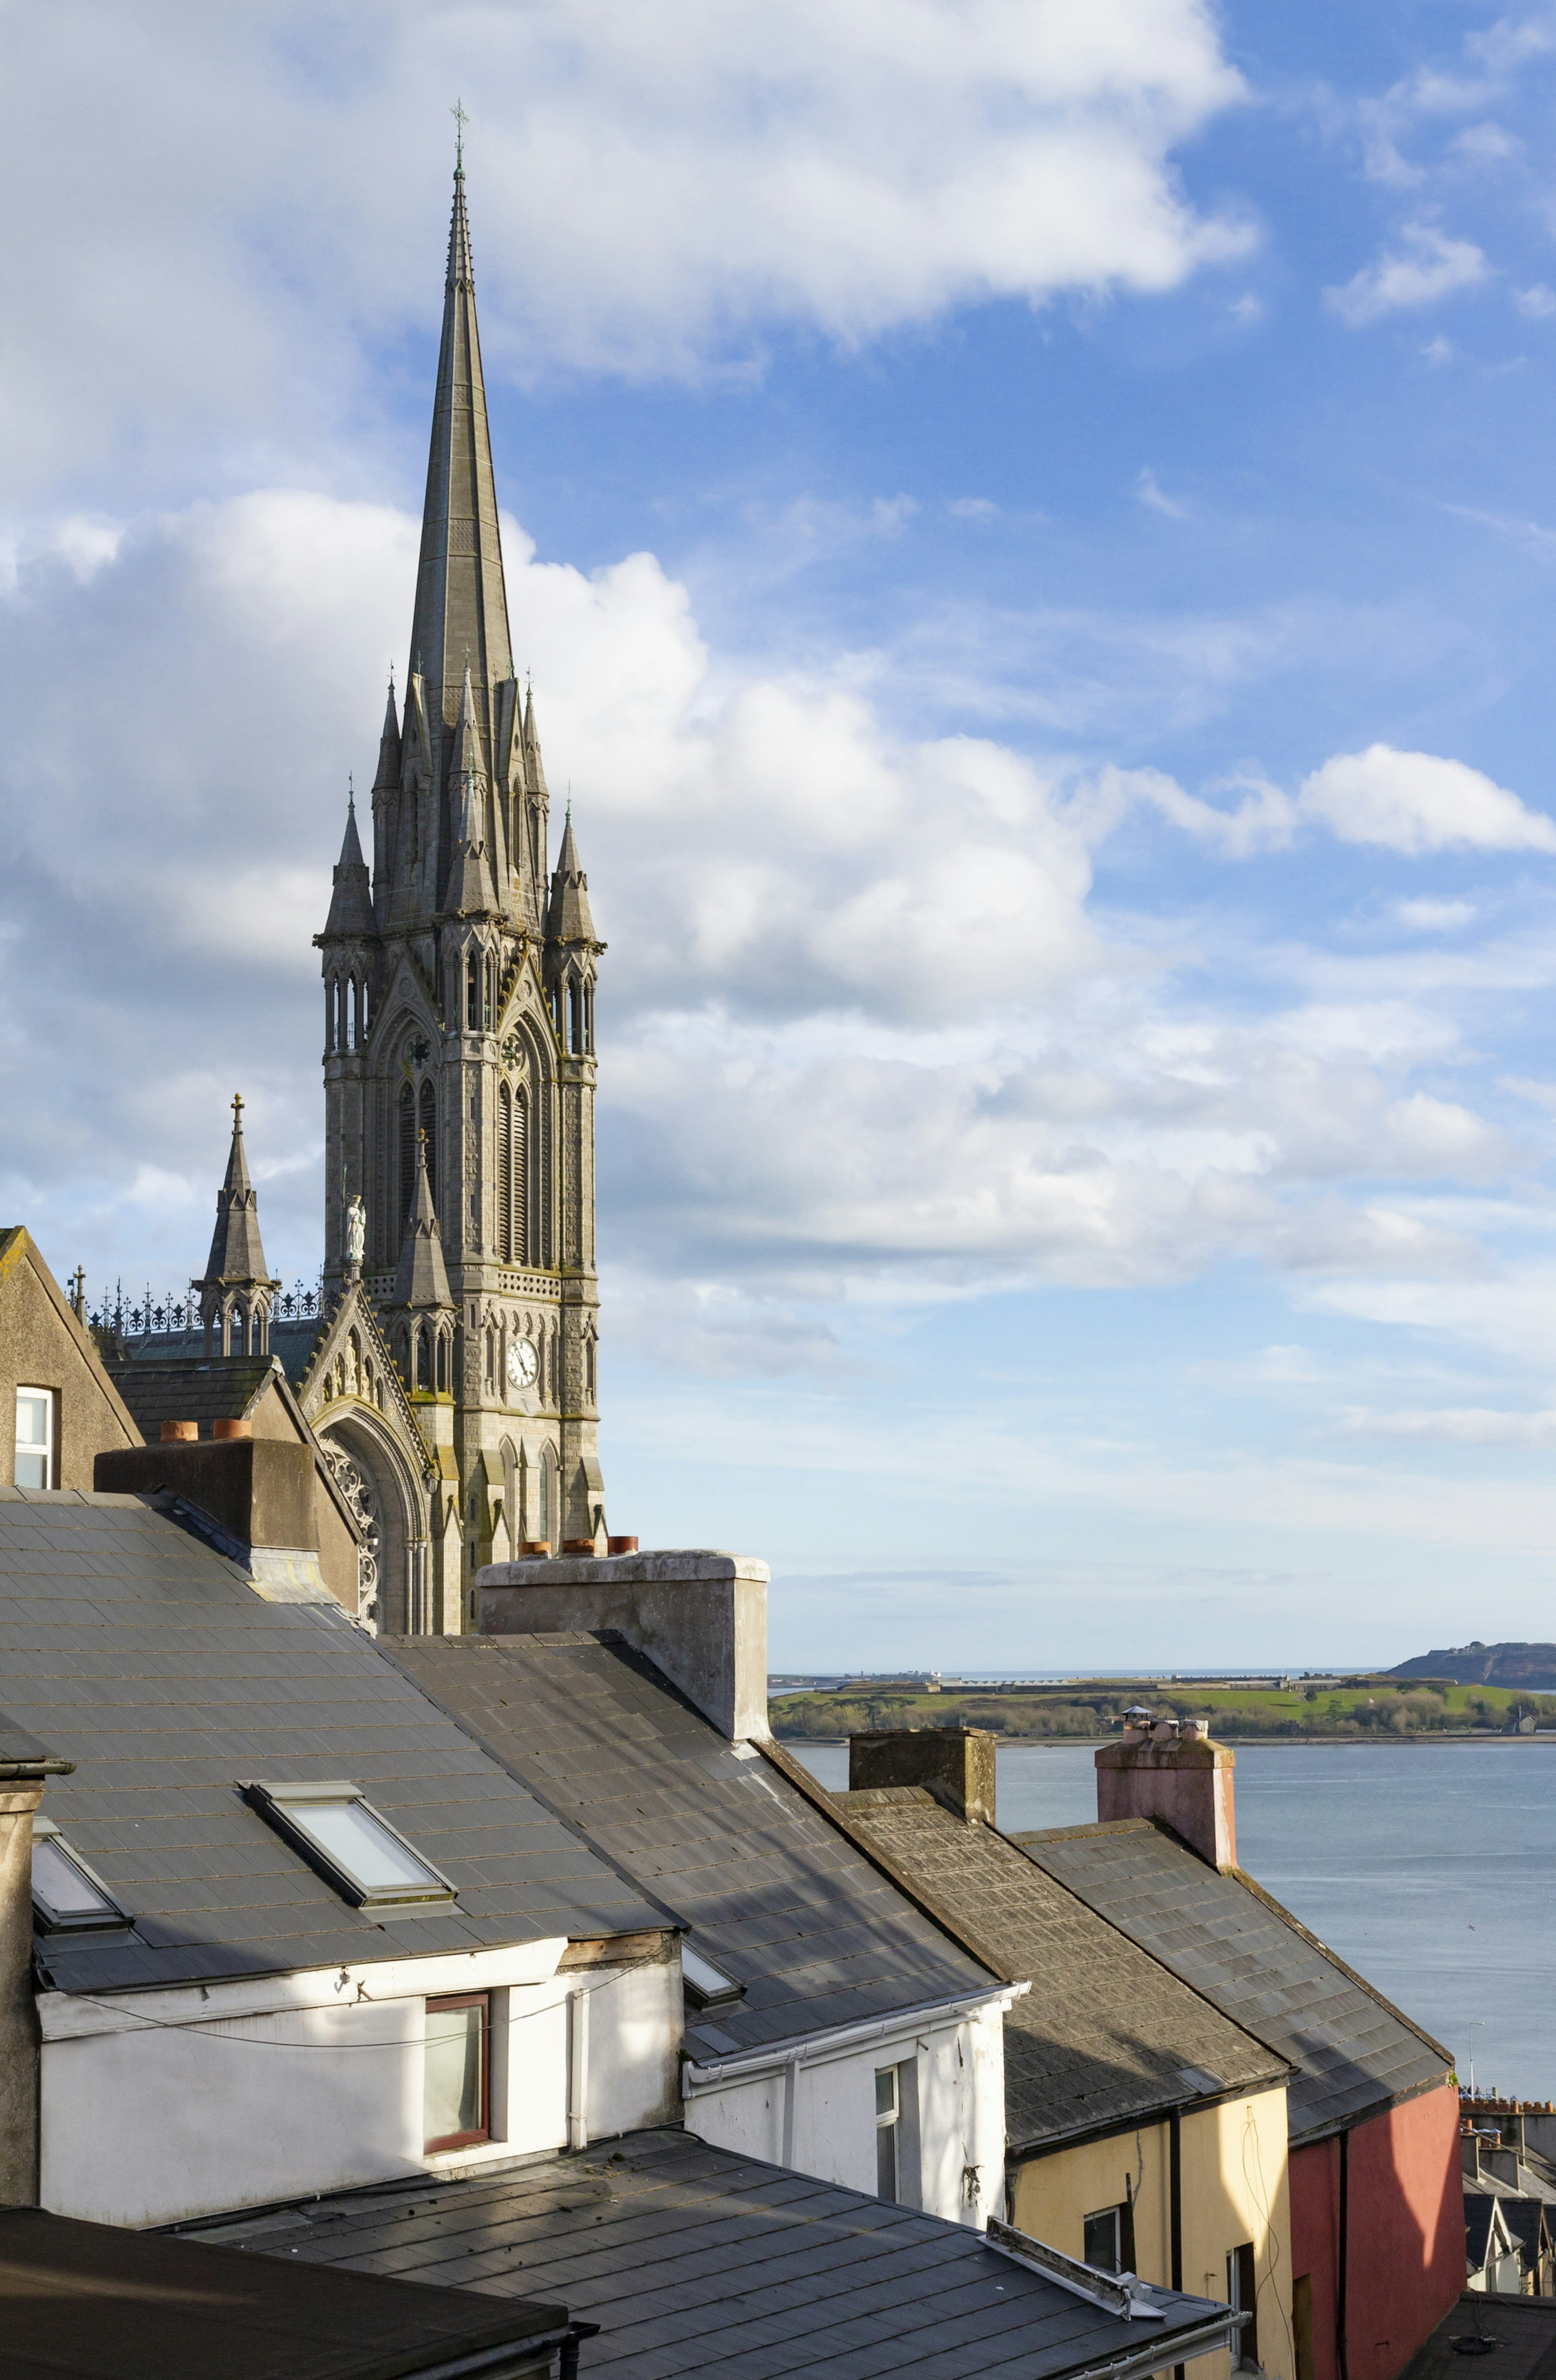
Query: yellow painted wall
1233, 2190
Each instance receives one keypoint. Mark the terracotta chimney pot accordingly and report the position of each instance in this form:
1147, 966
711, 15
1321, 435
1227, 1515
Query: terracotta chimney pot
578, 1547
178, 1432
232, 1429
621, 1545
535, 1550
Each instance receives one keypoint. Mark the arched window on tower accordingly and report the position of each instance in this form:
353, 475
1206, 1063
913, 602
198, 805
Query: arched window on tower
430, 1126
588, 1016
442, 1363
504, 1174
521, 1179
407, 1141
472, 992
349, 1006
424, 1379
574, 1016
329, 1015
489, 1009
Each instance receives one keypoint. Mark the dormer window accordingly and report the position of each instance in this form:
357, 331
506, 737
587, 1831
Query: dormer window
707, 1985
67, 1896
346, 1842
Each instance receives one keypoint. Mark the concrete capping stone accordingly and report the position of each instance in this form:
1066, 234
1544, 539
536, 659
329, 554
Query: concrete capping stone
689, 1568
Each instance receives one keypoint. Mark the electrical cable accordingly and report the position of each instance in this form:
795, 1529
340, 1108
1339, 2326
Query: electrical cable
206, 2028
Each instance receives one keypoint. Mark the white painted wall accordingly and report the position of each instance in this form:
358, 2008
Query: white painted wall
814, 2110
159, 2106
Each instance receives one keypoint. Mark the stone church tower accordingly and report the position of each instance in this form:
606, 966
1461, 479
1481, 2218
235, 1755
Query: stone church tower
460, 1060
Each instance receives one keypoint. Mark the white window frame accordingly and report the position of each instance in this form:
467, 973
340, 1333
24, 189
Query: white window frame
51, 1433
889, 2120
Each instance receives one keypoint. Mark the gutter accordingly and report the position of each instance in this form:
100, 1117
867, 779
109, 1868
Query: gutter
813, 2048
1203, 2338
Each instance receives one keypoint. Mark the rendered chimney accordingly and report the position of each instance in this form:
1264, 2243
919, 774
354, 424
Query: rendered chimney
1182, 1778
253, 1498
955, 1763
700, 1617
24, 1765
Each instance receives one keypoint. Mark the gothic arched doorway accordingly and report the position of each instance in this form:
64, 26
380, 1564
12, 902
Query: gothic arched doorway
393, 1565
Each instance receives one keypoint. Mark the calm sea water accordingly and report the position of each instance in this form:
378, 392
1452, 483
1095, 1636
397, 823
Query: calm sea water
1430, 1868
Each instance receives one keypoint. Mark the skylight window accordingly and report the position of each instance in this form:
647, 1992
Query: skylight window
67, 1896
706, 1986
344, 1839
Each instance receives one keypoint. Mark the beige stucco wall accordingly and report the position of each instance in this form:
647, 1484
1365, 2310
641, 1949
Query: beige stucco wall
43, 1346
1235, 2190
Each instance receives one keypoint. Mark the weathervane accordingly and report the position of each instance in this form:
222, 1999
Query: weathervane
460, 119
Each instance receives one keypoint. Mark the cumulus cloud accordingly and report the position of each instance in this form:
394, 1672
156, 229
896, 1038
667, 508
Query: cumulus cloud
654, 190
1414, 802
1425, 267
863, 1035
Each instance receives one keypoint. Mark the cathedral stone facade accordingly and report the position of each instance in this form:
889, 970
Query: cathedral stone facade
451, 1377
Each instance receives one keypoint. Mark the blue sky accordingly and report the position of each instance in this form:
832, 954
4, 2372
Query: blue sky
1033, 531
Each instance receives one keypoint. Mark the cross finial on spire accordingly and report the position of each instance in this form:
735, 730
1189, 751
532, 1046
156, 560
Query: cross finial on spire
460, 120
350, 794
237, 1110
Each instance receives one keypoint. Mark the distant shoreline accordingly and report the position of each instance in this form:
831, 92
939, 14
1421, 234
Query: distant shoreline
1233, 1742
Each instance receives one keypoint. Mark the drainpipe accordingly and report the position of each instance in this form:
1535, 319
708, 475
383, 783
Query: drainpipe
578, 2068
24, 1765
1344, 2242
1176, 2207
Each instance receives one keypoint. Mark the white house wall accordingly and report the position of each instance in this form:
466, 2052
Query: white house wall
816, 2114
157, 2107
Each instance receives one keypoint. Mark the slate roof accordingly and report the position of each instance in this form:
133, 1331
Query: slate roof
1523, 2329
133, 1650
91, 2302
692, 2259
769, 1888
1107, 2034
293, 1342
1352, 2053
200, 1389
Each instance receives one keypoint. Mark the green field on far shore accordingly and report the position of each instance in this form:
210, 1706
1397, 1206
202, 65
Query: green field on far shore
1376, 1707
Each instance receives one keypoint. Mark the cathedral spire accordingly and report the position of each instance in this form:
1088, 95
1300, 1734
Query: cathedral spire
569, 918
236, 1290
461, 604
351, 901
422, 1279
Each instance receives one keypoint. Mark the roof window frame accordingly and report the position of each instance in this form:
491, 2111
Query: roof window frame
282, 1804
714, 1988
112, 1918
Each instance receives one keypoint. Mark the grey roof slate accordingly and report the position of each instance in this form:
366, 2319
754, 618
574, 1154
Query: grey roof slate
769, 1888
131, 1649
692, 2259
1523, 2329
1107, 2034
1352, 2053
92, 2301
200, 1389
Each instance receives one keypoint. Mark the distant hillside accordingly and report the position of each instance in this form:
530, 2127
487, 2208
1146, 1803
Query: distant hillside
1533, 1667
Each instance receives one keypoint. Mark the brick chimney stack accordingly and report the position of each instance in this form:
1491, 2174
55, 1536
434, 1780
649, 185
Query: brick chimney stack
1159, 1770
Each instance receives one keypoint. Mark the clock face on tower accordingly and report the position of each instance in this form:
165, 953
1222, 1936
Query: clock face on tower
523, 1366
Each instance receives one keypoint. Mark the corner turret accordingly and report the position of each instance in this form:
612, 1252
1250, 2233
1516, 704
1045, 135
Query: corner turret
238, 1290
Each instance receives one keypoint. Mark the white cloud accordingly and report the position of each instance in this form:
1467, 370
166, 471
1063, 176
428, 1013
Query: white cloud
1536, 304
651, 190
1462, 1425
1431, 917
1427, 267
1147, 490
864, 1036
1413, 802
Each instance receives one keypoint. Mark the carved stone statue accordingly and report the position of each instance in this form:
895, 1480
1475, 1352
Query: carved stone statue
356, 1228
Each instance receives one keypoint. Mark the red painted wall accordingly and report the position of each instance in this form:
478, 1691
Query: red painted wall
1406, 2261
